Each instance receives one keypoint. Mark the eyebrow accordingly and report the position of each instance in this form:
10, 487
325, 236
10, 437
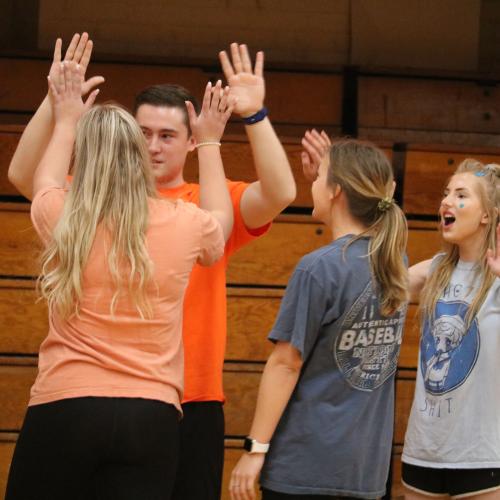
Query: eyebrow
447, 190
163, 130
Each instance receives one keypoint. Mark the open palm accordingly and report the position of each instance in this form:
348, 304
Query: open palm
79, 52
246, 84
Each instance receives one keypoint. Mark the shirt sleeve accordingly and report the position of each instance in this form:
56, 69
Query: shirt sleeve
241, 234
46, 209
301, 313
211, 239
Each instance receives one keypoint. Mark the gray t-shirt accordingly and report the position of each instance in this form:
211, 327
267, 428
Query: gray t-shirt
455, 416
335, 435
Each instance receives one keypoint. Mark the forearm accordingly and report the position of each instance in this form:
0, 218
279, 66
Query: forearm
214, 195
276, 387
31, 147
272, 165
55, 163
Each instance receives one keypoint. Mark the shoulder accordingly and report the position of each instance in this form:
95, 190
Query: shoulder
335, 255
46, 209
48, 203
236, 189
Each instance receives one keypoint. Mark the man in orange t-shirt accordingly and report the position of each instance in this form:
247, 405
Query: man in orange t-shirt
161, 113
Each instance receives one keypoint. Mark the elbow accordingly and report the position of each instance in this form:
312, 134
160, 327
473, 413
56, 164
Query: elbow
290, 194
16, 181
287, 358
285, 196
11, 175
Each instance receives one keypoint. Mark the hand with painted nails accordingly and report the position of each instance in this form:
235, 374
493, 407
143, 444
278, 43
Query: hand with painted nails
65, 87
493, 256
245, 84
216, 109
316, 145
79, 52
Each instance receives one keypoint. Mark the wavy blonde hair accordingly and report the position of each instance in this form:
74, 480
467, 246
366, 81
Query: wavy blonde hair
111, 186
365, 175
488, 184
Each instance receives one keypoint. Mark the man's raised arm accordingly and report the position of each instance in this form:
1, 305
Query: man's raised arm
275, 189
38, 132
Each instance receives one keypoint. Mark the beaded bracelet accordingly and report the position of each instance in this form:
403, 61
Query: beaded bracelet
207, 143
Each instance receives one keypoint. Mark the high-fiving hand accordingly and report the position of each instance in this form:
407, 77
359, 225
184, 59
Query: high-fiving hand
216, 109
316, 145
493, 256
79, 52
245, 84
65, 87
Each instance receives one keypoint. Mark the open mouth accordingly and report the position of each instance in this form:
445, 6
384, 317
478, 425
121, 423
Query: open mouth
448, 220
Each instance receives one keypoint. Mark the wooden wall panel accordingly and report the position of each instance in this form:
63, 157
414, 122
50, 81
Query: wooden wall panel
285, 244
250, 317
7, 443
24, 86
20, 247
16, 378
424, 104
426, 174
23, 320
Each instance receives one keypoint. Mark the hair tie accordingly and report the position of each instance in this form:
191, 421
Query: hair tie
384, 204
487, 169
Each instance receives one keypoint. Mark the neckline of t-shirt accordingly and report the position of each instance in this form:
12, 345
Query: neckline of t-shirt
465, 265
352, 236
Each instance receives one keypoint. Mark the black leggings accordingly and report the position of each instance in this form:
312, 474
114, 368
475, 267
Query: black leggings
96, 449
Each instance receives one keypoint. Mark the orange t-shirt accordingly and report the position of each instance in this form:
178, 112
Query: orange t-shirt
205, 305
97, 354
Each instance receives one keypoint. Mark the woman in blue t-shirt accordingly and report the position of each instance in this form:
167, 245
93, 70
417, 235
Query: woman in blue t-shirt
324, 418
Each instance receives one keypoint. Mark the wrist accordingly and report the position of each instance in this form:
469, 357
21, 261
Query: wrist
207, 143
256, 117
253, 446
65, 130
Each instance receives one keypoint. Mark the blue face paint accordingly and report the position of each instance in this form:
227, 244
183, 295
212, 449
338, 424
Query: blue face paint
480, 173
461, 205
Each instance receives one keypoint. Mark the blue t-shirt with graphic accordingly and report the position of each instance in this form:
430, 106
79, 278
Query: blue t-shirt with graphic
335, 435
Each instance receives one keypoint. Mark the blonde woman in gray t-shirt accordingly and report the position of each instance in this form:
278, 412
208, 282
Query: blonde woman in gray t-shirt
452, 443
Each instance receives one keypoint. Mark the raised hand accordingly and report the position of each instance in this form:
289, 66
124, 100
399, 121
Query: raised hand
244, 476
493, 256
316, 146
245, 84
65, 87
216, 109
79, 52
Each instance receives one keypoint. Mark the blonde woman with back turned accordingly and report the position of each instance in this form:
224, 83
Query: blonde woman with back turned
324, 412
452, 443
102, 420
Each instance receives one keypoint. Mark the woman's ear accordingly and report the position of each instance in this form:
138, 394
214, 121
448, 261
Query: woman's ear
335, 192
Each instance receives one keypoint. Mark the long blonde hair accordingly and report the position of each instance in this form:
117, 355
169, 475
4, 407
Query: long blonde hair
489, 193
366, 177
111, 186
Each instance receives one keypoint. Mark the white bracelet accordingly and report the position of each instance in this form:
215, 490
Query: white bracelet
207, 143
